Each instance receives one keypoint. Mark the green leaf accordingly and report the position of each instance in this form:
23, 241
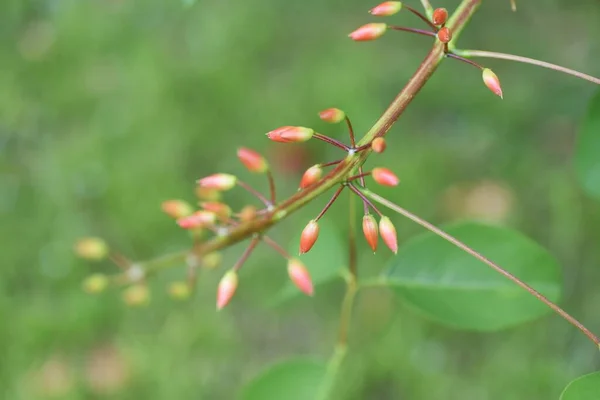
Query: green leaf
297, 379
585, 387
452, 287
587, 152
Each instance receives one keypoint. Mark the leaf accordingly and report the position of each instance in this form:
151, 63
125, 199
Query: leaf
297, 379
452, 287
585, 387
587, 151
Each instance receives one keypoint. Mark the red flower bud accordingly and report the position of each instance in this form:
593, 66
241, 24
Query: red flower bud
444, 35
312, 175
291, 134
440, 16
492, 82
388, 234
176, 208
385, 177
226, 288
300, 276
220, 209
309, 236
368, 32
369, 226
252, 160
378, 145
332, 115
218, 181
386, 8
198, 219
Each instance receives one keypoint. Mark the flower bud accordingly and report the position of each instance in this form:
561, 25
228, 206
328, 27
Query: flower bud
439, 16
369, 226
207, 194
309, 236
370, 31
220, 209
218, 181
311, 175
378, 145
332, 115
95, 283
386, 8
300, 276
137, 295
385, 177
248, 213
179, 290
176, 208
212, 260
444, 35
291, 134
226, 289
388, 234
91, 248
252, 160
199, 219
492, 82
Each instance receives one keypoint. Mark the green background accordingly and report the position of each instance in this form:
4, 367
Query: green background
109, 107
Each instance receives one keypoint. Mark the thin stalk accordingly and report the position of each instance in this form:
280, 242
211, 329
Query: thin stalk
271, 186
418, 14
276, 247
331, 141
525, 60
412, 30
255, 193
330, 163
428, 8
489, 263
365, 199
352, 252
240, 262
359, 176
330, 202
350, 132
465, 60
513, 5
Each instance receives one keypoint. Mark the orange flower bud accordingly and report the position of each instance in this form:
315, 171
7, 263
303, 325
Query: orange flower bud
91, 248
248, 213
198, 219
218, 181
309, 236
492, 82
252, 160
388, 234
370, 231
291, 134
386, 8
311, 175
220, 209
378, 145
176, 208
332, 115
385, 177
444, 35
300, 276
226, 289
370, 31
440, 16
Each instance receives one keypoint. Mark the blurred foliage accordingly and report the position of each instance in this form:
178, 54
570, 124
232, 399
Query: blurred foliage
109, 107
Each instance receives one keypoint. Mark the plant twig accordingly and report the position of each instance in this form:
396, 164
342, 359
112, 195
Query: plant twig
428, 8
412, 30
418, 14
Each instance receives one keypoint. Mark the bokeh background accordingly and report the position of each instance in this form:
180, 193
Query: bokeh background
109, 107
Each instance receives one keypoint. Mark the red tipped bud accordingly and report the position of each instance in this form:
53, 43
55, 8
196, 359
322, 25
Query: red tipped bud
368, 32
386, 8
312, 175
220, 209
291, 134
226, 289
309, 236
176, 208
388, 234
492, 82
385, 177
198, 219
218, 182
444, 35
332, 115
91, 248
300, 276
248, 213
370, 231
378, 145
439, 16
252, 160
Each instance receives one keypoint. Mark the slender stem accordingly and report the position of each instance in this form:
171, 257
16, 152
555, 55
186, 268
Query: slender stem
418, 14
330, 163
359, 176
513, 5
350, 132
412, 30
255, 193
246, 253
365, 199
489, 263
330, 202
276, 247
526, 60
428, 8
271, 186
352, 258
332, 141
465, 60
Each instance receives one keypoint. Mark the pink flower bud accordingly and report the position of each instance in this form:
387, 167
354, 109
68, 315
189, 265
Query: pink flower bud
388, 234
220, 209
312, 175
332, 115
309, 236
385, 177
252, 160
378, 145
492, 82
386, 8
439, 16
91, 248
300, 276
291, 134
369, 227
198, 219
444, 35
218, 182
176, 208
226, 289
368, 32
